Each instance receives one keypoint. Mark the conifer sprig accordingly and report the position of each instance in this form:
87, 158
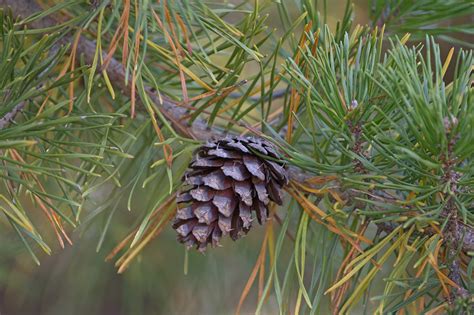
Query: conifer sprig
115, 95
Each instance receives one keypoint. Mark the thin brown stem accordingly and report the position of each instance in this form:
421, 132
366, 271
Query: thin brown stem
170, 110
10, 116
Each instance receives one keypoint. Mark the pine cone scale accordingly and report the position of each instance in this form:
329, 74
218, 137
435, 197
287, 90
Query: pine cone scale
185, 213
225, 202
186, 227
261, 190
274, 191
236, 170
238, 146
205, 212
225, 224
201, 193
207, 162
258, 147
245, 215
217, 180
244, 190
224, 153
201, 232
253, 165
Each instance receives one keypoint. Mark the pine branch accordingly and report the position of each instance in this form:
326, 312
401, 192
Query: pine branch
172, 111
444, 20
115, 70
197, 130
387, 135
10, 116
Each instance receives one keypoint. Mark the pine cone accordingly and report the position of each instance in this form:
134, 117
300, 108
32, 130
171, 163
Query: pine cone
225, 182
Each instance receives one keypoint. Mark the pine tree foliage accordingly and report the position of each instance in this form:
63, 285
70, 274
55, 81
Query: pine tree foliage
387, 126
49, 148
104, 103
425, 18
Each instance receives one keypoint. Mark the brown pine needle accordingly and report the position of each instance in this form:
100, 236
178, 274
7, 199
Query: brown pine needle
253, 274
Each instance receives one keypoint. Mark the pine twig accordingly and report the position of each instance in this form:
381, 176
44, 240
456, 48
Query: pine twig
115, 70
275, 95
10, 116
172, 111
4, 122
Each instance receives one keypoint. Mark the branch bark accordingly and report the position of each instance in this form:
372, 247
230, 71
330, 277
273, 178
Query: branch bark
115, 70
8, 117
198, 130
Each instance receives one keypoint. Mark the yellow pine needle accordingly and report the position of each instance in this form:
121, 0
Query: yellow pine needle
73, 65
128, 257
440, 309
300, 250
163, 52
405, 38
364, 259
237, 101
98, 51
364, 283
447, 61
253, 274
